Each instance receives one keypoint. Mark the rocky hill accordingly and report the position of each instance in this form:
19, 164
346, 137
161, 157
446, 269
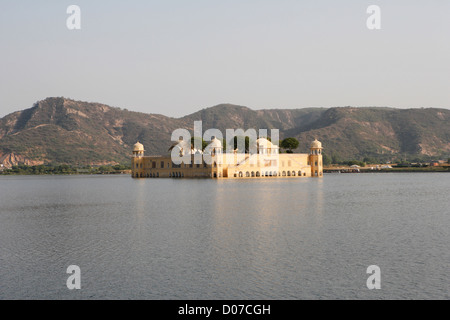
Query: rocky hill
59, 130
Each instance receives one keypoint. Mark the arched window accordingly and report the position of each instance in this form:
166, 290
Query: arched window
284, 173
293, 173
240, 174
253, 174
299, 173
247, 174
288, 173
257, 173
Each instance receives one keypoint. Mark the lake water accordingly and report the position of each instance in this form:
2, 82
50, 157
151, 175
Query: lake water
243, 239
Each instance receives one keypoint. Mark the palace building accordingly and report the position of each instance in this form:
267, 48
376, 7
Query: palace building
267, 161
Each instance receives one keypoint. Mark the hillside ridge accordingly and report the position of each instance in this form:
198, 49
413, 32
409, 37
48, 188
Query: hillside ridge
65, 131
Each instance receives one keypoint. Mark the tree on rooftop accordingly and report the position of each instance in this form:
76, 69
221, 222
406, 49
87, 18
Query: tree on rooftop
247, 143
289, 144
203, 143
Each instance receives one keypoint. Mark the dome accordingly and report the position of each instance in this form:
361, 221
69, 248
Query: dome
181, 145
316, 144
138, 147
215, 143
264, 143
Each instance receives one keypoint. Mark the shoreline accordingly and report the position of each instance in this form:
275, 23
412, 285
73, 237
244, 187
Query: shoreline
64, 174
326, 171
392, 170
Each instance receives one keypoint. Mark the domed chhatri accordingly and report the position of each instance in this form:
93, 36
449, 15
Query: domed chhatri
316, 144
265, 146
138, 147
138, 150
182, 146
264, 142
263, 160
316, 158
215, 143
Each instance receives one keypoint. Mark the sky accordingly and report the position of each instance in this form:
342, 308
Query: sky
175, 57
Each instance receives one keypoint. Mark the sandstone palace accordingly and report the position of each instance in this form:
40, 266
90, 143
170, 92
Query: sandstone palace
267, 161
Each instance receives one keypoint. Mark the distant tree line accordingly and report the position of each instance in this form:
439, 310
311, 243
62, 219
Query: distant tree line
23, 169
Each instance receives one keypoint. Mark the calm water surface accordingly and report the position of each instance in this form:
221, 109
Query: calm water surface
205, 239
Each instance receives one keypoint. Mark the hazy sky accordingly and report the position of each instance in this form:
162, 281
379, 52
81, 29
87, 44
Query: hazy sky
176, 57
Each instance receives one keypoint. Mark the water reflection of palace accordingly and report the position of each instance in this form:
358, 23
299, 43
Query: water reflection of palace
265, 162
